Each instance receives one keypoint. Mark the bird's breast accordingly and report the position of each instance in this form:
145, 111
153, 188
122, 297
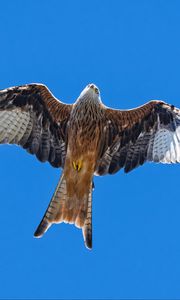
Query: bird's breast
83, 129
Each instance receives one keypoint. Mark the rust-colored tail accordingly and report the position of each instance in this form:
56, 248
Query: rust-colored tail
87, 228
63, 208
54, 209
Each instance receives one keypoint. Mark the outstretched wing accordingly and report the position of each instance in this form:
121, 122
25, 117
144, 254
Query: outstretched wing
130, 138
31, 117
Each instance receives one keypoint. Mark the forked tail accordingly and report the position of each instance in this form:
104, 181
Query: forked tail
87, 228
63, 208
54, 211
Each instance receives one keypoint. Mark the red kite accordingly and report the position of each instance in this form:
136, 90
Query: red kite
85, 139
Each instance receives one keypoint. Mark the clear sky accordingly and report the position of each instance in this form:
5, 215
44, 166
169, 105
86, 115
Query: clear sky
131, 51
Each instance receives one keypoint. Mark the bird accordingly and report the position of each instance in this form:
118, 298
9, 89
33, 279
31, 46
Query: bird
85, 139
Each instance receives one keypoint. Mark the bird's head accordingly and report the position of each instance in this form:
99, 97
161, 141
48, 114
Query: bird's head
92, 88
91, 91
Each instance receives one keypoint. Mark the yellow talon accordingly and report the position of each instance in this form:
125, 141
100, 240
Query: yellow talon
74, 165
77, 165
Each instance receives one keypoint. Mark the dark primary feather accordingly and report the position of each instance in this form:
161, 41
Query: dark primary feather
130, 138
31, 117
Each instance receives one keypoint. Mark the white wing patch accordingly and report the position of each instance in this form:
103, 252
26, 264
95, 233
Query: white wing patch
166, 146
13, 125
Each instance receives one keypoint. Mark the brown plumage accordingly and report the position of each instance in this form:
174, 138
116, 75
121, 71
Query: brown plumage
84, 139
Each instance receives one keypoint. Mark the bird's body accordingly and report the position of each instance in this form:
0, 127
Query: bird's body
80, 164
85, 139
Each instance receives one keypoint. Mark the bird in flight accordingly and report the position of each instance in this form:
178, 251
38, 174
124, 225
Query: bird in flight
85, 139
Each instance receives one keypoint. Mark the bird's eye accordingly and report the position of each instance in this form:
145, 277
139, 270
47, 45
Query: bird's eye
96, 90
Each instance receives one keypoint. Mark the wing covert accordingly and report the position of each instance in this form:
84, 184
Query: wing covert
30, 116
147, 133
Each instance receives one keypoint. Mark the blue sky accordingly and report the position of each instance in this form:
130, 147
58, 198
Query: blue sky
131, 50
